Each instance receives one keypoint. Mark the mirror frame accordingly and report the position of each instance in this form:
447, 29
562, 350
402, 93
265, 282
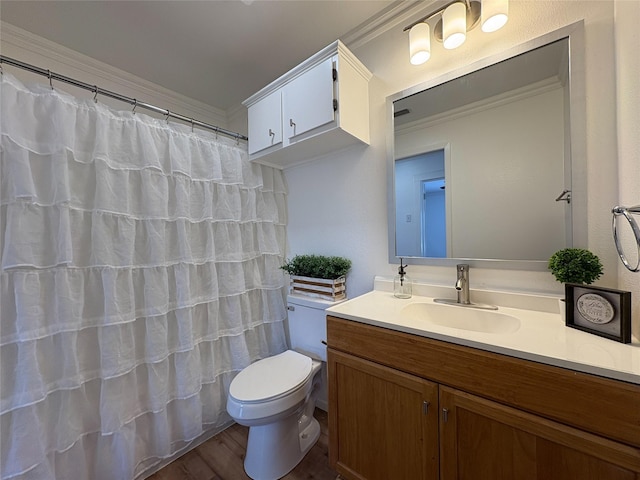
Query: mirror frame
577, 101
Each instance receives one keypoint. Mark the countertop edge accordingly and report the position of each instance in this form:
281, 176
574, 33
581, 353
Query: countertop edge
547, 360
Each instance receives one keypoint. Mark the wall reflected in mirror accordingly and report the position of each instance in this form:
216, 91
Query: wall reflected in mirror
480, 160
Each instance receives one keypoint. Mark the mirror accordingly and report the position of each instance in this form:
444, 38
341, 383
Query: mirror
481, 158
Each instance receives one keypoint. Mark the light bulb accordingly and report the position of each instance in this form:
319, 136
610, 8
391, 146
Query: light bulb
495, 14
454, 25
419, 43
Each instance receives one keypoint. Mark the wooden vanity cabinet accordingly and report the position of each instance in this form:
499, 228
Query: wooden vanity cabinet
386, 424
481, 439
498, 417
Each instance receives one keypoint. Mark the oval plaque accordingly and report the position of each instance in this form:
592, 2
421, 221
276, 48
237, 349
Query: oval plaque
595, 308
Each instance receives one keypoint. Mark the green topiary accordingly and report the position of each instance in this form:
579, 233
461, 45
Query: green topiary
317, 266
575, 265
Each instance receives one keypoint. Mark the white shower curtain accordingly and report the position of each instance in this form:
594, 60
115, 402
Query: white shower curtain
139, 273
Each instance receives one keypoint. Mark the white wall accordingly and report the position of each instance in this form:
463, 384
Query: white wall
627, 15
491, 214
354, 222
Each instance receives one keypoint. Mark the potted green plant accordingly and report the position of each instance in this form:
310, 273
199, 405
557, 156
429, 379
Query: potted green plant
574, 265
318, 276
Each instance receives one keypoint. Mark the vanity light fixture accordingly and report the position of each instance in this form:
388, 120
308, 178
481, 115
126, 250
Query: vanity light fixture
454, 25
457, 18
419, 43
495, 14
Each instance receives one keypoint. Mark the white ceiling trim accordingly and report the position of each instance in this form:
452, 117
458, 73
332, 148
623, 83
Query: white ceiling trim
96, 71
395, 16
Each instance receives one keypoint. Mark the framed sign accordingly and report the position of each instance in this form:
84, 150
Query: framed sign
600, 311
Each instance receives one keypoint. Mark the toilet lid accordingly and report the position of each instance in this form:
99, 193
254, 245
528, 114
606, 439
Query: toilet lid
271, 377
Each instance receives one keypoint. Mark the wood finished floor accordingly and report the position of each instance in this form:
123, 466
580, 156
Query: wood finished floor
222, 457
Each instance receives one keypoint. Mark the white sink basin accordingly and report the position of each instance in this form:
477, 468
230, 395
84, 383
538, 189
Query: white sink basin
462, 318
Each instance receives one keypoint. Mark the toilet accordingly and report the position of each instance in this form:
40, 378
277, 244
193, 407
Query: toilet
276, 396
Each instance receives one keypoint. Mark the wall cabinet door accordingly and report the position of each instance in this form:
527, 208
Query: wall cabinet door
382, 423
307, 101
481, 439
265, 123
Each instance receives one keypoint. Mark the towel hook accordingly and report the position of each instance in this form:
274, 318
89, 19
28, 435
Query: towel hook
626, 212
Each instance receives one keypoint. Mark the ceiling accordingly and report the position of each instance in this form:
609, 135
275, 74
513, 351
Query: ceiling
218, 52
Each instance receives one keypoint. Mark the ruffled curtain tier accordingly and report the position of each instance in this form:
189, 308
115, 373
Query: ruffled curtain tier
139, 274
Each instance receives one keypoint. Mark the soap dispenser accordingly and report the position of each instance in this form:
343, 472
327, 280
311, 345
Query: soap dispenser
402, 283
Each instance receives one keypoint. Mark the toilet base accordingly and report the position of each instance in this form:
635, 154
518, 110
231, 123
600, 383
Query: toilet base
273, 450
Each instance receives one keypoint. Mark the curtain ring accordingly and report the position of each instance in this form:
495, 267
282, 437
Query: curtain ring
617, 211
166, 118
192, 125
50, 79
95, 94
135, 104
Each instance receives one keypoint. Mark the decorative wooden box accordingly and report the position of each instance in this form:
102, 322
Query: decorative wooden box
333, 290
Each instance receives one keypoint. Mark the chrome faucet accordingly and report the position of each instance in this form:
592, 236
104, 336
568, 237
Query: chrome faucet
462, 289
462, 283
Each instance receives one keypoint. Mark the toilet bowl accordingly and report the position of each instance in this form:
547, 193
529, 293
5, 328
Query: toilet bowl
276, 396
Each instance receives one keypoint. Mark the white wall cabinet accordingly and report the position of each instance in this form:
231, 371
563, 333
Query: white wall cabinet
265, 123
318, 107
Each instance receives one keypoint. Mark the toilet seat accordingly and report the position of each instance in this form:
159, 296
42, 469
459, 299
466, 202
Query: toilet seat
271, 378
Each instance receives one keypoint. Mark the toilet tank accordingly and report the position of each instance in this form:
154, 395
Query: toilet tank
308, 325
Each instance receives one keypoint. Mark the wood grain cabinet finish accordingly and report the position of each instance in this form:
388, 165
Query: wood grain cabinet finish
481, 439
498, 417
386, 422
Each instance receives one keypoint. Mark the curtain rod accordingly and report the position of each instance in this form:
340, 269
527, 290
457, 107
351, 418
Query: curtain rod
131, 101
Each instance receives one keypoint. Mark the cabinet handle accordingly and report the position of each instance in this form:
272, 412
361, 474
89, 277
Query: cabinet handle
445, 414
272, 133
292, 123
425, 407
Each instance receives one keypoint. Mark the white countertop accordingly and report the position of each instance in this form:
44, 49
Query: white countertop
542, 337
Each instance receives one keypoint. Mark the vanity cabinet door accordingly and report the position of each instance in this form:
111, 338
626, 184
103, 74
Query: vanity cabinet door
383, 424
481, 439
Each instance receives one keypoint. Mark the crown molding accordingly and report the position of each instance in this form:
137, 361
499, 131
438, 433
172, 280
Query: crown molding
398, 13
518, 95
23, 40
